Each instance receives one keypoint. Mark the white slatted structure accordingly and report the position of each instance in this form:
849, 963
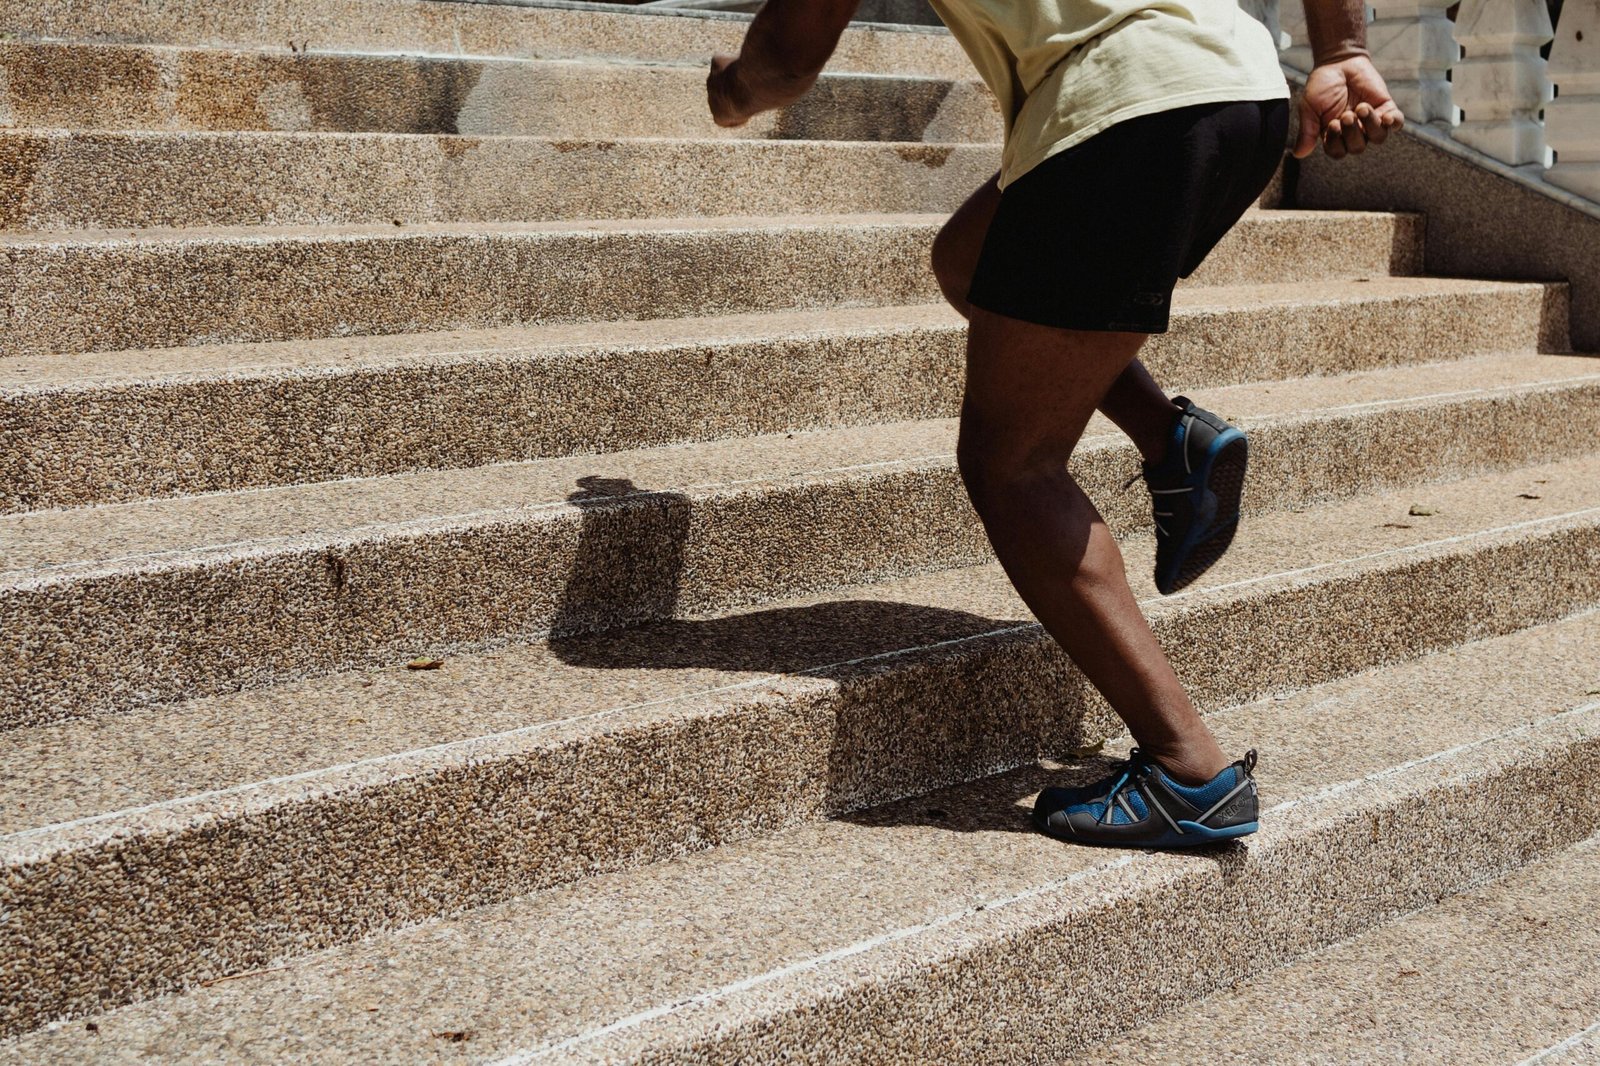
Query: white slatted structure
1572, 120
1502, 84
1414, 46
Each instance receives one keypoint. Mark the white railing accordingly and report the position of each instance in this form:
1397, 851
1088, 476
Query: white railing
1481, 78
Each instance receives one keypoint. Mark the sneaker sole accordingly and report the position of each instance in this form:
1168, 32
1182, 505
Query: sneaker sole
1224, 476
1193, 836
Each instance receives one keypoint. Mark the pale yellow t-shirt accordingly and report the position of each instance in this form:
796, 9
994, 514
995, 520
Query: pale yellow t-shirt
1066, 69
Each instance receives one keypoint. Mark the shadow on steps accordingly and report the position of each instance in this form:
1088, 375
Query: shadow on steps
980, 696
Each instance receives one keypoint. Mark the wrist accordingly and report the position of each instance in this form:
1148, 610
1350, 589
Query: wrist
1340, 53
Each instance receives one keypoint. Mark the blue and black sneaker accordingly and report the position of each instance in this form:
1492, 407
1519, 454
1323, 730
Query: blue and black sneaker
1196, 488
1140, 806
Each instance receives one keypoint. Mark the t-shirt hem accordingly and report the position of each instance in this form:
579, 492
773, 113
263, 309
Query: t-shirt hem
1243, 93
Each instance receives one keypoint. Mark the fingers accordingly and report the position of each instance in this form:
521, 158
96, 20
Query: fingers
1372, 126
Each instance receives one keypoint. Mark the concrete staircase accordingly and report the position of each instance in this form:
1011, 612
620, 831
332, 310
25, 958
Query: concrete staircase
483, 583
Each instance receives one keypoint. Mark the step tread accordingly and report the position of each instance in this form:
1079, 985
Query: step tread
670, 951
284, 52
1498, 974
380, 723
61, 543
168, 236
552, 30
20, 374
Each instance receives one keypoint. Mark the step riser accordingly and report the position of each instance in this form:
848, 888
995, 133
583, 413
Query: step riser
236, 890
87, 87
73, 297
319, 426
1055, 986
75, 180
468, 29
140, 635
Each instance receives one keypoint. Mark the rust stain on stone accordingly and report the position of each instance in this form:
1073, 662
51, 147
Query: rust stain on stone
49, 84
932, 156
19, 165
577, 146
456, 147
380, 94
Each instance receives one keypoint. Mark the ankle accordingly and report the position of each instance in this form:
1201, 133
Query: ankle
1154, 442
1193, 764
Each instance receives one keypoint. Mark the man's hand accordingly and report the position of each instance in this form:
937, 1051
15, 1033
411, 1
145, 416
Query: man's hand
785, 48
730, 101
1346, 106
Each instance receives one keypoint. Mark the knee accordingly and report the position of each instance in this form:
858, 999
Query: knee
996, 466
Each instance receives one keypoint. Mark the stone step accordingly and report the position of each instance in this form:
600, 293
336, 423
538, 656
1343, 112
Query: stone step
101, 87
157, 288
541, 30
1500, 974
126, 604
103, 427
220, 833
81, 180
938, 929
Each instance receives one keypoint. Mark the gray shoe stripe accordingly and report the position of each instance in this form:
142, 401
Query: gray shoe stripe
1240, 787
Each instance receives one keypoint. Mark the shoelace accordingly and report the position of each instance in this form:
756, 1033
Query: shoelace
1130, 773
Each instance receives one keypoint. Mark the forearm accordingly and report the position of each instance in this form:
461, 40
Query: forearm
1337, 28
788, 44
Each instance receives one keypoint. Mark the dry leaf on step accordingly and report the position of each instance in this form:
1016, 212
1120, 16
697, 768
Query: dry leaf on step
1087, 750
1419, 511
424, 663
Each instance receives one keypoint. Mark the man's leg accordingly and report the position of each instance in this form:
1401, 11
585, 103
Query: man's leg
1030, 392
1134, 402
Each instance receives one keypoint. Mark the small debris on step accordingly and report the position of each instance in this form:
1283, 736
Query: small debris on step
1529, 496
1088, 750
1398, 525
1410, 973
1419, 511
424, 663
90, 1027
455, 1036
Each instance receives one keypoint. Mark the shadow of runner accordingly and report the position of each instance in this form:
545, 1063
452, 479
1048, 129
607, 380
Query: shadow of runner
898, 725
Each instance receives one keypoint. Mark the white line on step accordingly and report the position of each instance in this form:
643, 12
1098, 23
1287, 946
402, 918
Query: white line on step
1566, 1045
1402, 401
317, 540
1425, 545
765, 679
632, 1021
456, 745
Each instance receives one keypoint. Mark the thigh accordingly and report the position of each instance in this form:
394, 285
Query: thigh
1031, 389
956, 248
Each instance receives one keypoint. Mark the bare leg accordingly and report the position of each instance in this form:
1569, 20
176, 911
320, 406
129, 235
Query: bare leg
1135, 403
1030, 392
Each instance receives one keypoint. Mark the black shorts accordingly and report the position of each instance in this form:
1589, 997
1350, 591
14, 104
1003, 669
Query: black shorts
1096, 237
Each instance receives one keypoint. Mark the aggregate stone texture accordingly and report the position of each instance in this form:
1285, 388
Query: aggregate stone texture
204, 843
80, 86
133, 603
120, 426
1495, 976
158, 288
1482, 224
942, 926
433, 27
64, 180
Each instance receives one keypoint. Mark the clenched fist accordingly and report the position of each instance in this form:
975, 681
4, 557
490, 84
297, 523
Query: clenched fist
1346, 106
